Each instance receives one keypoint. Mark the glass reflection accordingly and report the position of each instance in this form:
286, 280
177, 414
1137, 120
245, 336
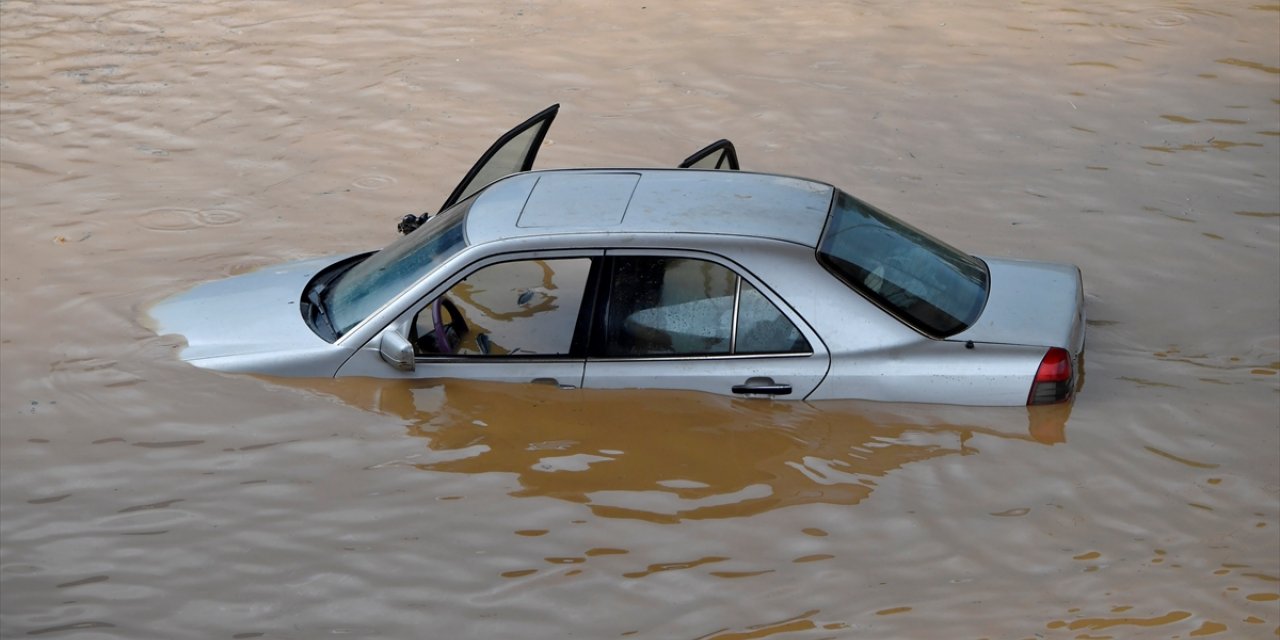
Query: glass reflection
665, 456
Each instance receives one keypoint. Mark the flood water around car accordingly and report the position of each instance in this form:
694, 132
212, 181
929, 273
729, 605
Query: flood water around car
146, 147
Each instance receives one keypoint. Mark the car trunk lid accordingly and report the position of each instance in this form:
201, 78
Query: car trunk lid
1031, 303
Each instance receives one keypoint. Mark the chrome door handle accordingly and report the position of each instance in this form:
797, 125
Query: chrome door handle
762, 385
553, 382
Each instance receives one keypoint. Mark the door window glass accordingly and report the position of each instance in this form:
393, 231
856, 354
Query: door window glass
762, 328
717, 155
527, 307
512, 153
686, 307
505, 162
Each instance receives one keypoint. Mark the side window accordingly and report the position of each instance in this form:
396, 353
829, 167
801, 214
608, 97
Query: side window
686, 307
527, 307
762, 328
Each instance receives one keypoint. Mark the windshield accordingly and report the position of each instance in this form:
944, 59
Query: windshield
927, 284
385, 274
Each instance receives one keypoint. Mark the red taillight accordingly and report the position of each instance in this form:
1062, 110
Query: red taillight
1053, 378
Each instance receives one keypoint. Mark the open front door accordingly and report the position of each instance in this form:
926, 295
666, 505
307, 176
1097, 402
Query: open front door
717, 155
512, 153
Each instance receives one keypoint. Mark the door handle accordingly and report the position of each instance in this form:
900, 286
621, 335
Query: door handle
553, 382
762, 385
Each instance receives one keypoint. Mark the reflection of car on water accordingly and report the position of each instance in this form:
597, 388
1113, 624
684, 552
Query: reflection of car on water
662, 456
691, 278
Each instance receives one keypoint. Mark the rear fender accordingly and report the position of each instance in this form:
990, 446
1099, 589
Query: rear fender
937, 372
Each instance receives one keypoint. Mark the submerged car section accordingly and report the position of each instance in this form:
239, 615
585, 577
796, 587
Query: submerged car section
248, 323
1036, 303
874, 355
564, 303
652, 278
701, 278
681, 319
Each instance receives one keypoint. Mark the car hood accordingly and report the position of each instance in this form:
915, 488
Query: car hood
1031, 303
246, 314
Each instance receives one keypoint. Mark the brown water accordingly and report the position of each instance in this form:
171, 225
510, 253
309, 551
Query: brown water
146, 146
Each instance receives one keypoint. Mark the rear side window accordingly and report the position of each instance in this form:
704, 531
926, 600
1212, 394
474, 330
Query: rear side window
924, 282
672, 307
762, 328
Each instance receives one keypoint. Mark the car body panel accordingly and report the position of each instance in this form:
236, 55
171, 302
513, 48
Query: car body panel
563, 373
669, 201
1031, 306
934, 371
560, 200
715, 373
1031, 303
256, 312
874, 356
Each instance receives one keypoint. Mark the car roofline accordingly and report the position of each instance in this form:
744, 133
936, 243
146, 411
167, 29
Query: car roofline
651, 200
670, 170
603, 235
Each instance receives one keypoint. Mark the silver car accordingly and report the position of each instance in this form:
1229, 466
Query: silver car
692, 278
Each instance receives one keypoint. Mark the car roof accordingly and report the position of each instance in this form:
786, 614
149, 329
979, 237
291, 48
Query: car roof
673, 201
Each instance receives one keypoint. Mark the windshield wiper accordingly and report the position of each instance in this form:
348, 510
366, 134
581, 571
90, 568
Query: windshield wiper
317, 303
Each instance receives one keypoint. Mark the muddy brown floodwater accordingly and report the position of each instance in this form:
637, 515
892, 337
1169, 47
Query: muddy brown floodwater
146, 146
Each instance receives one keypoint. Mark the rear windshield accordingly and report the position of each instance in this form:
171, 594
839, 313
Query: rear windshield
387, 273
927, 284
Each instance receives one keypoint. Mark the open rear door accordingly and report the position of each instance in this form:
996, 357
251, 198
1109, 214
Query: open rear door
717, 155
512, 153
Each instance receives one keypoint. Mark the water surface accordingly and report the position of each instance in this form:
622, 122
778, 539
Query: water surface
146, 146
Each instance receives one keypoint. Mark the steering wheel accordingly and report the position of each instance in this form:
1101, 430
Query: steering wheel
447, 335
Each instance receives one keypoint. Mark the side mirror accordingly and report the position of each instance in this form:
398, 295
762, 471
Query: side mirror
410, 222
396, 350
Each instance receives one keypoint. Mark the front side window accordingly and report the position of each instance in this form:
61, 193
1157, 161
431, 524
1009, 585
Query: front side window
931, 286
519, 308
384, 275
671, 307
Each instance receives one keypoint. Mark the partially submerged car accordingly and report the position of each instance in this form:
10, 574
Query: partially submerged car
702, 277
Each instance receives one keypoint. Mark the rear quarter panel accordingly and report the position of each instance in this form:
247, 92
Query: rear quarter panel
936, 372
876, 357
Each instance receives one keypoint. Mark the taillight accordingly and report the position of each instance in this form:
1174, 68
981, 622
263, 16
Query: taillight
1053, 378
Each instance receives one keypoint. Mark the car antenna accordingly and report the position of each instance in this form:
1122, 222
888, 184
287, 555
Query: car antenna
410, 222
